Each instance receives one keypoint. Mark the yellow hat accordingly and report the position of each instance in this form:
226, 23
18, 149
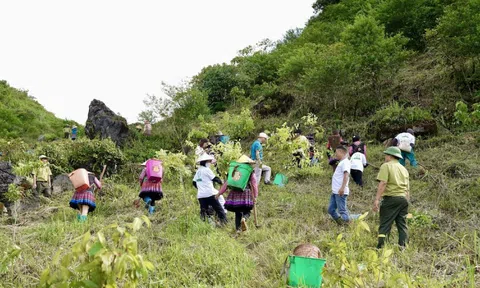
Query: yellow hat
245, 159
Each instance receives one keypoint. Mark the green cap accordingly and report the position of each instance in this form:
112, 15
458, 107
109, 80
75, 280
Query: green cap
394, 151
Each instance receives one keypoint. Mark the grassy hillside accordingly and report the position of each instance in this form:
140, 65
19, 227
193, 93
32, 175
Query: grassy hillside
186, 252
22, 116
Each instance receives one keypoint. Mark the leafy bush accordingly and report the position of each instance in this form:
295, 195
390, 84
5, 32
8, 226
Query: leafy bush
395, 118
466, 120
238, 126
104, 260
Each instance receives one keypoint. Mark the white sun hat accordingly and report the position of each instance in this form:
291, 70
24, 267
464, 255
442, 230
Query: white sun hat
205, 157
263, 135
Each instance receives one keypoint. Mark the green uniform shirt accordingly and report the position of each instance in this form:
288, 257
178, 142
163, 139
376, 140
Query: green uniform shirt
43, 173
396, 177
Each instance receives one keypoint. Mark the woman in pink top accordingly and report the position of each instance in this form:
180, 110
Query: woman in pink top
150, 191
241, 202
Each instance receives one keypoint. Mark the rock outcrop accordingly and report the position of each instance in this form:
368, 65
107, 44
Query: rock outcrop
103, 123
61, 184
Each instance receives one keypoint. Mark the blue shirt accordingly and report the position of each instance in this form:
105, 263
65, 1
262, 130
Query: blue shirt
256, 146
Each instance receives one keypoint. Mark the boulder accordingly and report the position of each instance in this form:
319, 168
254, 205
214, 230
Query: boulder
6, 178
103, 123
61, 184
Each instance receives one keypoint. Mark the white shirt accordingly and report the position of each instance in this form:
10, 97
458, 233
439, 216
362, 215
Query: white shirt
337, 178
405, 137
358, 161
203, 178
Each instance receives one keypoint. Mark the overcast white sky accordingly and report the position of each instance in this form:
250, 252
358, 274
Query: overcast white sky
67, 53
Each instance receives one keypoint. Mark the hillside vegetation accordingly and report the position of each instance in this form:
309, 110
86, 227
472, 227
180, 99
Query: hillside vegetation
21, 116
367, 67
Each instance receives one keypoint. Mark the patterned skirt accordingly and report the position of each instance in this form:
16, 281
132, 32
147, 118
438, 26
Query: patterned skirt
83, 198
239, 201
154, 195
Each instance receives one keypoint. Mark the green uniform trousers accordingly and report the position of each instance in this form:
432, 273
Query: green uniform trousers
393, 209
43, 188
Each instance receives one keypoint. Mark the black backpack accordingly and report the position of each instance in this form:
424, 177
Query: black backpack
358, 148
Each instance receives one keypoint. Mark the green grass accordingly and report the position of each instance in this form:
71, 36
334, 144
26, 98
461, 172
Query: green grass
186, 252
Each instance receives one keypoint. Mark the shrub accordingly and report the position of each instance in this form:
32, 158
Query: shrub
395, 118
238, 126
105, 260
466, 120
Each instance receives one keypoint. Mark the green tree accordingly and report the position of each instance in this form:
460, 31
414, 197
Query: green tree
411, 18
372, 55
217, 81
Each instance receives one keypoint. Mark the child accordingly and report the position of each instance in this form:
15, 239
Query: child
84, 200
150, 191
241, 202
358, 162
203, 182
340, 191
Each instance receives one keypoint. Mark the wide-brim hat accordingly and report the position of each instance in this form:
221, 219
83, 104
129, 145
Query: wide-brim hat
394, 151
219, 133
42, 157
245, 159
263, 135
205, 157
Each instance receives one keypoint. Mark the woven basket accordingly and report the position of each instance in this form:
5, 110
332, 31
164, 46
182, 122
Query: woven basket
307, 250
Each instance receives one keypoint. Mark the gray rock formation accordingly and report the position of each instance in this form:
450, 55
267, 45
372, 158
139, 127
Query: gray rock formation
62, 184
104, 123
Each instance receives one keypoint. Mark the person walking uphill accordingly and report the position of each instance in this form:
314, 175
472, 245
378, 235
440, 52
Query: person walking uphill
151, 183
42, 178
203, 182
394, 189
240, 200
83, 199
256, 153
406, 142
340, 190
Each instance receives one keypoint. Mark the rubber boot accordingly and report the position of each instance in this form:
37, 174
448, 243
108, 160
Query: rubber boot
78, 217
83, 218
151, 210
147, 200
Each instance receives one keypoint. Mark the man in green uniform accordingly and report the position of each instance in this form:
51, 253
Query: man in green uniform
394, 187
42, 181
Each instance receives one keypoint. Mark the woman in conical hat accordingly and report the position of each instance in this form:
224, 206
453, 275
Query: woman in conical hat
241, 202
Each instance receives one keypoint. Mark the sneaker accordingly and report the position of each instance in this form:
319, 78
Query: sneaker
151, 210
244, 225
268, 183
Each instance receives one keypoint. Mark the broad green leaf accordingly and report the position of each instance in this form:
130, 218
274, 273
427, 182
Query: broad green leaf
95, 249
137, 224
365, 226
89, 284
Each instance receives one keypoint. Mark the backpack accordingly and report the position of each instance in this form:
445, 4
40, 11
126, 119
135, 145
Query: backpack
80, 179
358, 148
154, 170
238, 176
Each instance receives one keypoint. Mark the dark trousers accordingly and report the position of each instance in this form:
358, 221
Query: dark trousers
211, 201
393, 209
42, 188
238, 218
357, 176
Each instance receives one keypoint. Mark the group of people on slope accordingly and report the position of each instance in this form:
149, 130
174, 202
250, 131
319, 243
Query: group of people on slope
70, 133
391, 199
393, 192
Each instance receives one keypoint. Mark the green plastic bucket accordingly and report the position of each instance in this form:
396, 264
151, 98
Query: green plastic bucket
239, 175
305, 272
280, 180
